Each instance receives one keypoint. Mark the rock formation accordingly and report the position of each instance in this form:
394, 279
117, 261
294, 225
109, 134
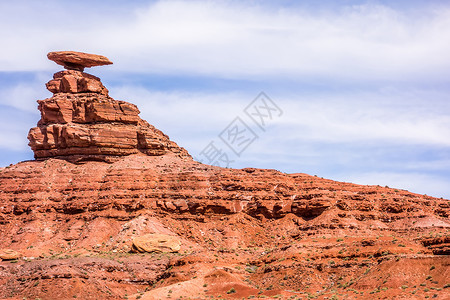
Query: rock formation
72, 60
156, 242
82, 123
71, 230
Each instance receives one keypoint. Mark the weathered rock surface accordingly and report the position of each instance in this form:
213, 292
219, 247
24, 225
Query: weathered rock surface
82, 123
155, 242
73, 60
8, 254
239, 233
71, 81
273, 233
88, 126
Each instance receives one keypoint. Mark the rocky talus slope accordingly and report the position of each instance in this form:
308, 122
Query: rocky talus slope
71, 220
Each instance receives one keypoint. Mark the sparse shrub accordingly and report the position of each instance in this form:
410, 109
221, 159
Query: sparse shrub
251, 269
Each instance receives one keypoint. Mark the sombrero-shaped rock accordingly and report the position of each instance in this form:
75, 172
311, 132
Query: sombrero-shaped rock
73, 60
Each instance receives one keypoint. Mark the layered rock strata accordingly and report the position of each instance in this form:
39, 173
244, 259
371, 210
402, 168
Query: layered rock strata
94, 230
80, 122
261, 232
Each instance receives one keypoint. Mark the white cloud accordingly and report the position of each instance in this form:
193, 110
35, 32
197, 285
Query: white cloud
240, 40
375, 117
370, 117
15, 126
13, 140
19, 110
202, 111
23, 95
414, 182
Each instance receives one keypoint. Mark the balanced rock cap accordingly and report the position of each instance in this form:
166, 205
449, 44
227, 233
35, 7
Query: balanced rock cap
72, 60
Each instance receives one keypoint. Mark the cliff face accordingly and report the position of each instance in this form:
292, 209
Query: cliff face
73, 229
170, 184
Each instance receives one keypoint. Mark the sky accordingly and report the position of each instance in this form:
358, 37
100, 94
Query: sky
352, 90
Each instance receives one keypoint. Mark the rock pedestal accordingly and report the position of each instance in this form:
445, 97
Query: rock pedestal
71, 81
80, 122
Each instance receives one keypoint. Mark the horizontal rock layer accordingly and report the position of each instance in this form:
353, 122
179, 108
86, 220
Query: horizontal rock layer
70, 230
72, 81
92, 126
261, 232
179, 185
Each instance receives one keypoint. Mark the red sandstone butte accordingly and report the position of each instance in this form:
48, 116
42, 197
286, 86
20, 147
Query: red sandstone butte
73, 228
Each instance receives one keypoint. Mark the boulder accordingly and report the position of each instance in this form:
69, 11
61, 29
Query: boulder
156, 242
8, 254
72, 81
73, 60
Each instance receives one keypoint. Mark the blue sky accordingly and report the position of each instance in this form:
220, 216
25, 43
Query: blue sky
363, 85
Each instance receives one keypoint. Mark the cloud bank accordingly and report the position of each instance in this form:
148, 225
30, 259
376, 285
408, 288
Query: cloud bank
238, 39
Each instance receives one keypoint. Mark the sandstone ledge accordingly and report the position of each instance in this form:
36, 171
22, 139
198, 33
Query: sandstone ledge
90, 126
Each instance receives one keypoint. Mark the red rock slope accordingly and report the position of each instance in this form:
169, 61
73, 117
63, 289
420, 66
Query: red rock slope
68, 229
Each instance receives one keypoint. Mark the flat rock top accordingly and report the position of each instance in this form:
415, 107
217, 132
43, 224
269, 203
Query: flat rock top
77, 60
